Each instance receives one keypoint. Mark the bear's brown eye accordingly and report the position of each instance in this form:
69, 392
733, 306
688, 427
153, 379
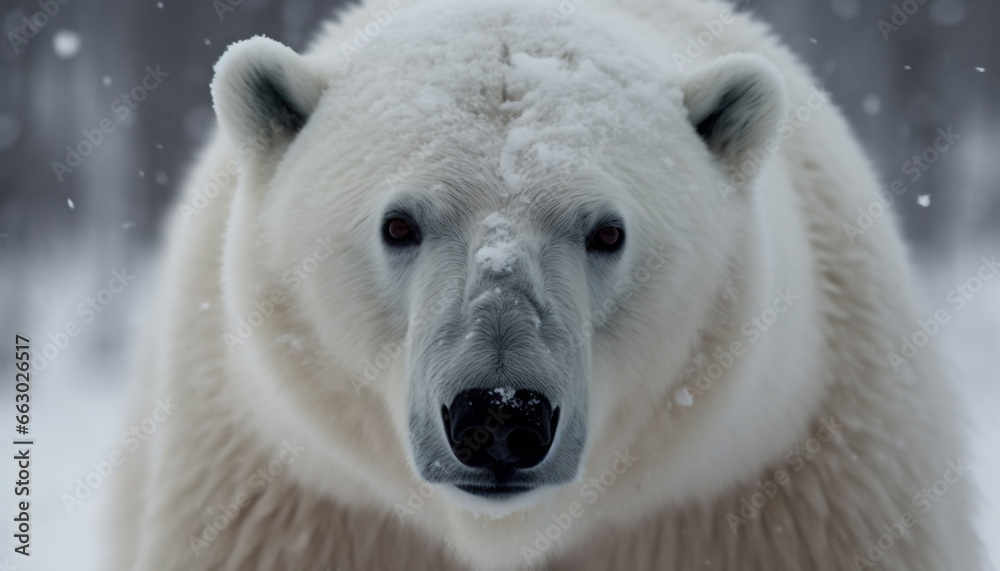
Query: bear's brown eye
606, 239
399, 232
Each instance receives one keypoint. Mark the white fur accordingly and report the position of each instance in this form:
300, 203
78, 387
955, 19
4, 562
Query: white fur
595, 110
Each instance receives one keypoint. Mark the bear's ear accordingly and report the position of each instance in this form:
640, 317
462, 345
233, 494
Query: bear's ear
735, 104
263, 94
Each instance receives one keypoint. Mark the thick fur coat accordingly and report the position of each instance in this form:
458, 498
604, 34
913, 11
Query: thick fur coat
729, 393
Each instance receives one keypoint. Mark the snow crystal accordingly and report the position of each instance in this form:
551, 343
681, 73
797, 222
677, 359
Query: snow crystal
506, 394
683, 397
497, 257
924, 200
293, 341
496, 221
72, 206
66, 43
981, 69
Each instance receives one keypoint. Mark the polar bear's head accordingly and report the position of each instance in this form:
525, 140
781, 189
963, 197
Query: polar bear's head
489, 252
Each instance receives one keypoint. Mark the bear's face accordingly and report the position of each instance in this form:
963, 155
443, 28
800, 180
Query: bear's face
493, 257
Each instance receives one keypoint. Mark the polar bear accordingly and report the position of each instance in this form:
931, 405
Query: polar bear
537, 285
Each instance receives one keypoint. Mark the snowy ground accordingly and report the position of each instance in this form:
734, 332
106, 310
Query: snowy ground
78, 400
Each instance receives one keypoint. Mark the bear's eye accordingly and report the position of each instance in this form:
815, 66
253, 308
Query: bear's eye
399, 231
606, 239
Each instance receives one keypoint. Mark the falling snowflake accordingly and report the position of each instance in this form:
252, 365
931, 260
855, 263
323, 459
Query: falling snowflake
72, 206
66, 43
683, 397
924, 200
981, 69
106, 81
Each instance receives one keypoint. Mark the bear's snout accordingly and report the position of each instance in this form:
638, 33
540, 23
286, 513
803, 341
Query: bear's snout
500, 429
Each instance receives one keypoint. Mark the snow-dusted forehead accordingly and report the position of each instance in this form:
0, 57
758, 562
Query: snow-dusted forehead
500, 250
530, 93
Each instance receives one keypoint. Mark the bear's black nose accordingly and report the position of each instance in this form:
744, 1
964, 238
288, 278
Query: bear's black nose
500, 429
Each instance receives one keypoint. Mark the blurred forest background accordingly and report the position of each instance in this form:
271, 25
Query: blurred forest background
897, 87
897, 83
